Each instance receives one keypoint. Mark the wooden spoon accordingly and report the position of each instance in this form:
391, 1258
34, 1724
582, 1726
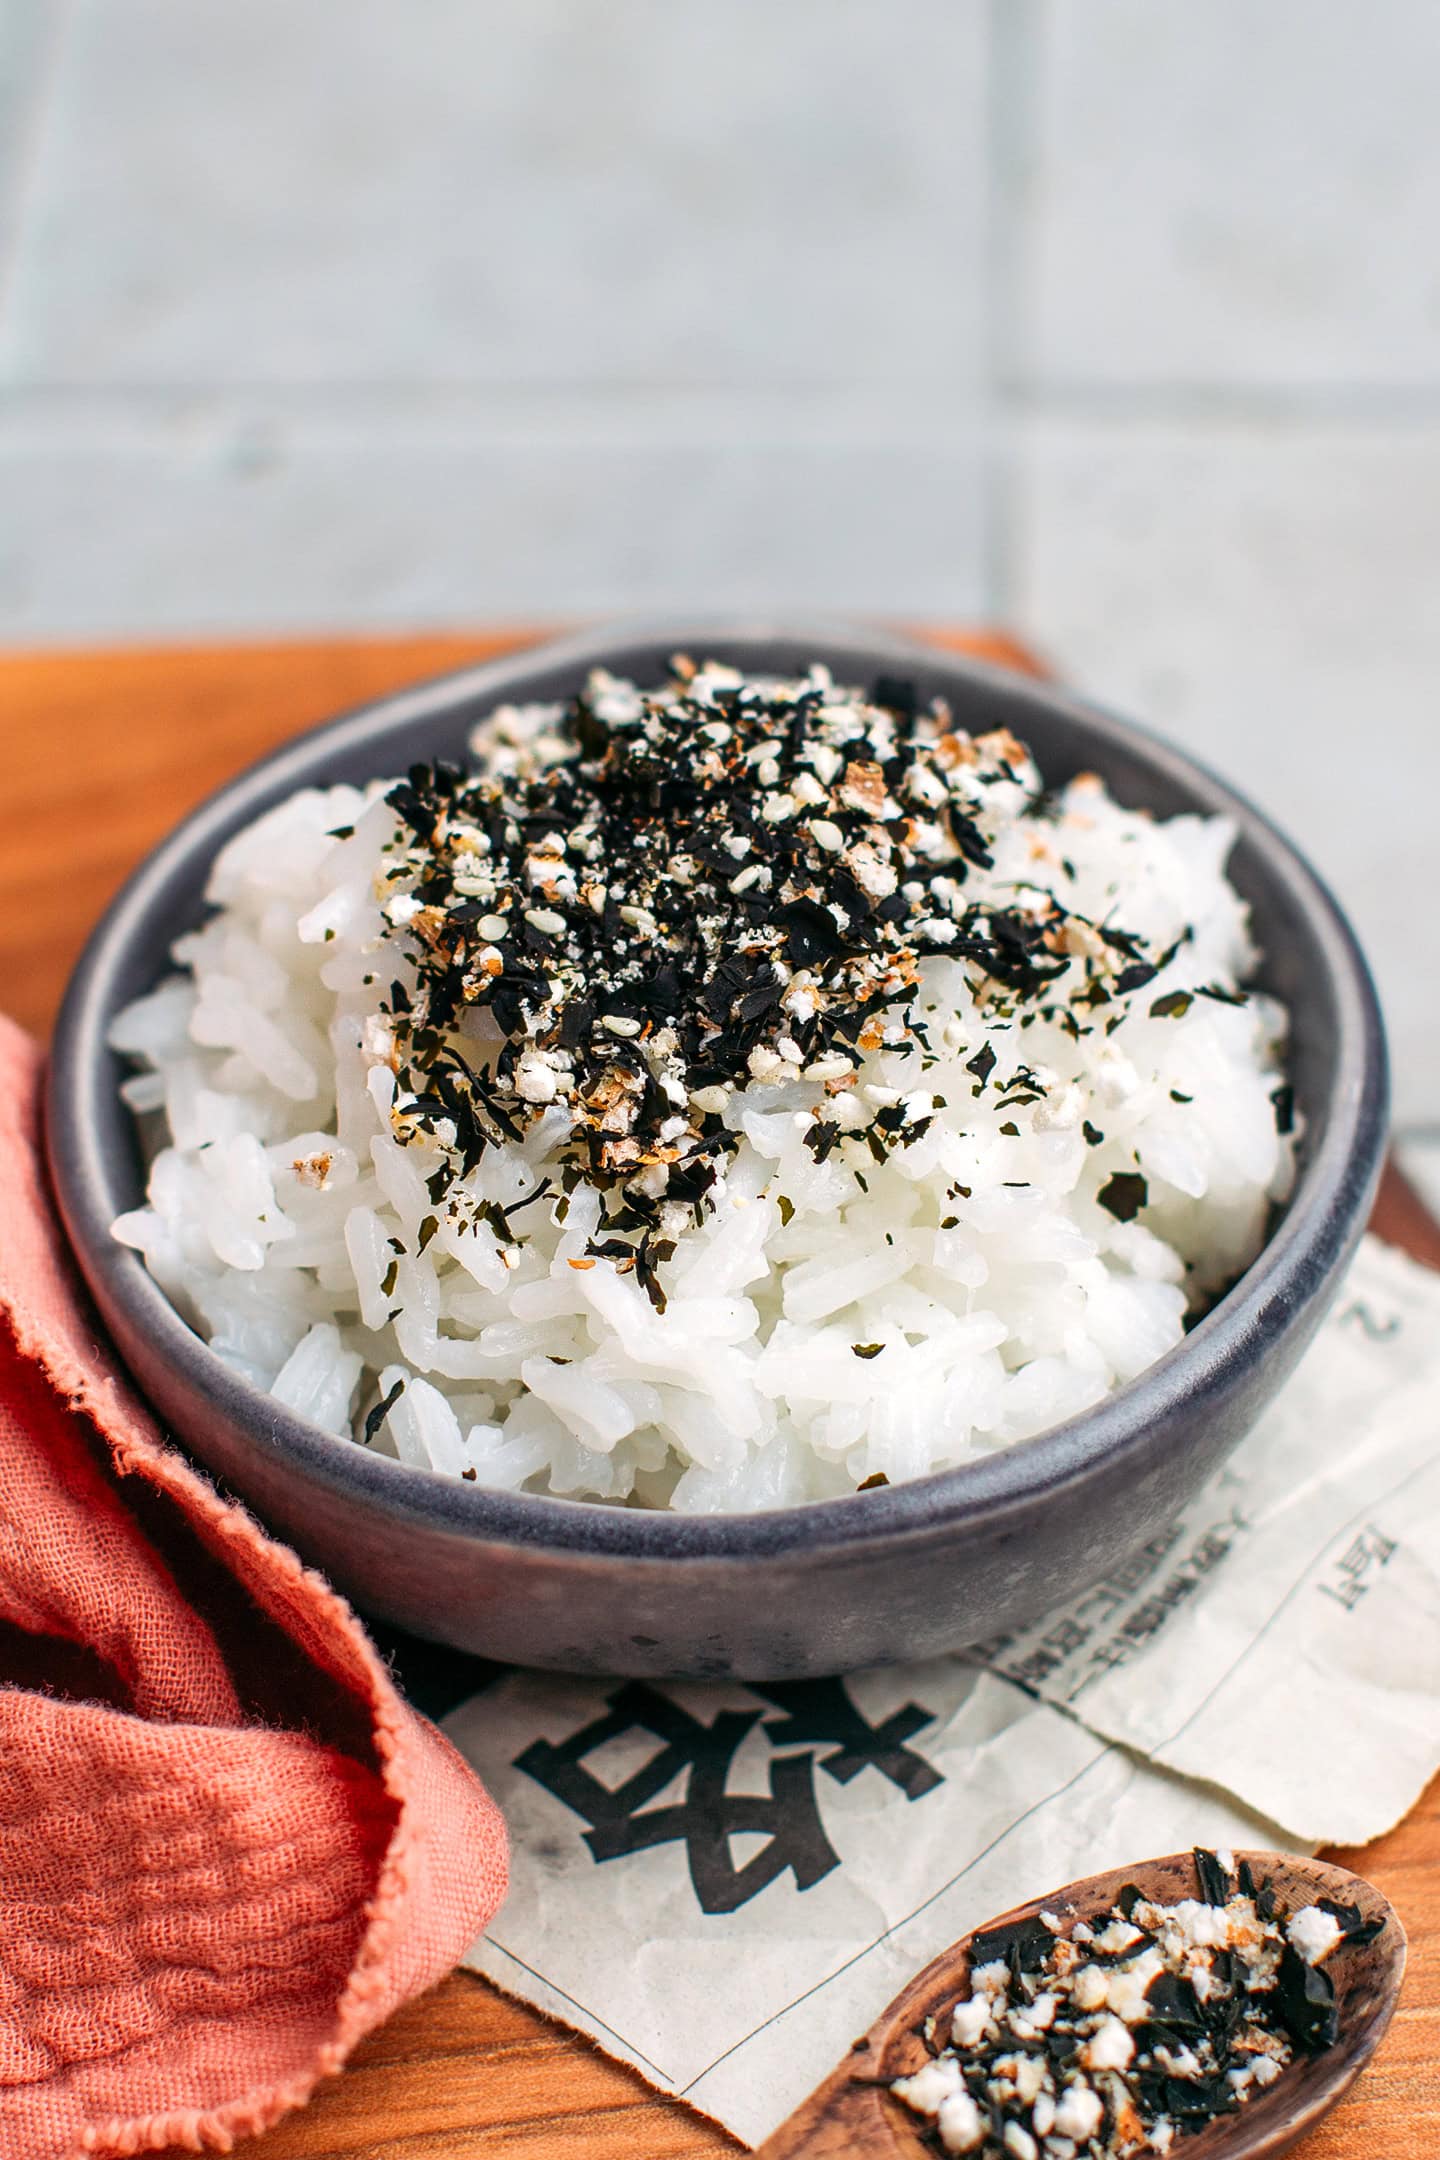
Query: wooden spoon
854, 2113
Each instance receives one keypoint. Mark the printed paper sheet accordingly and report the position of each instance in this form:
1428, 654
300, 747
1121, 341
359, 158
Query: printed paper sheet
725, 1884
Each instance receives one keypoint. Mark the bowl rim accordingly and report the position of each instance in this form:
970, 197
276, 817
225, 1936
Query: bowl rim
1322, 1219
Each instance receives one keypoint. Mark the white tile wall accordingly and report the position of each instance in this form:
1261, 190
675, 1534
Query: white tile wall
1242, 192
1118, 321
1268, 596
509, 192
26, 36
1224, 371
340, 313
213, 515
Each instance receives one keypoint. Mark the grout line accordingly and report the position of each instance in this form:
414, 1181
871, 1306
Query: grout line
1010, 109
31, 139
1258, 404
73, 417
877, 412
877, 397
1014, 48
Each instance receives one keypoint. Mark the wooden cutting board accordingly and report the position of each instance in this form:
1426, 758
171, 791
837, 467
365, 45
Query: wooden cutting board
100, 753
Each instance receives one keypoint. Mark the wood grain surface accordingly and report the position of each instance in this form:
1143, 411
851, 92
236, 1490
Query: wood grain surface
100, 753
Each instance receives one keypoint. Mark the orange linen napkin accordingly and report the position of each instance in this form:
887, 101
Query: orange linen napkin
227, 1848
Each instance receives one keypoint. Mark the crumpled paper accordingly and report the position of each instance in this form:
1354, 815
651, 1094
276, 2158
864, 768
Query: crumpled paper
1283, 1638
724, 1884
636, 1810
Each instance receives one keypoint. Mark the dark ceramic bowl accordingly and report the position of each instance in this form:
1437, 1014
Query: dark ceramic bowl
895, 1573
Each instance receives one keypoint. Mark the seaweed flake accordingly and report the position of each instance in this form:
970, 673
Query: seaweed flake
376, 1417
1306, 1996
1213, 1879
1124, 1194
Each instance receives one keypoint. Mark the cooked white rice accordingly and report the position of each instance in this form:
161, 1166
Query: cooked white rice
828, 1322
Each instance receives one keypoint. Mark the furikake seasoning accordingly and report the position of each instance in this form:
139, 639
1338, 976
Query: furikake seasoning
664, 896
1122, 2032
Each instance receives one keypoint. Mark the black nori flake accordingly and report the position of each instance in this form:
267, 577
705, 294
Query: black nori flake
1092, 1137
1215, 1886
1172, 1005
1306, 1998
1197, 2100
418, 815
811, 932
1176, 1096
490, 1213
1010, 1129
537, 1192
389, 1279
651, 1253
1124, 1194
1354, 1927
982, 1064
896, 693
1121, 1957
1030, 1941
1260, 1894
1283, 1099
876, 1479
376, 1417
867, 1349
1174, 2005
1221, 995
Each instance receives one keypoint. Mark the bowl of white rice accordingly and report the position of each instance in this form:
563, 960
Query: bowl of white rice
712, 1151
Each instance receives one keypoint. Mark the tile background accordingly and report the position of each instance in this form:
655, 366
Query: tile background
1119, 323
